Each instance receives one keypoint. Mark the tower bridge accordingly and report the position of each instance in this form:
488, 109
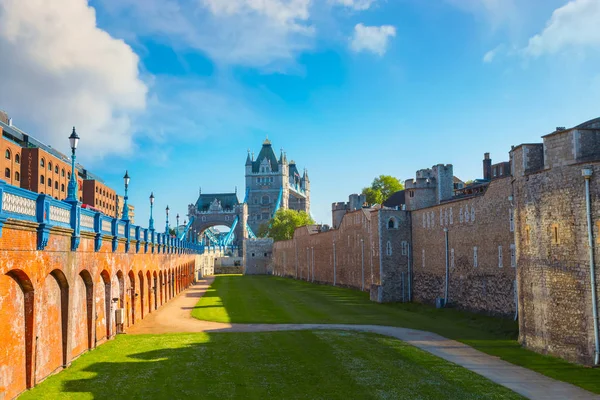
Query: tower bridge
271, 184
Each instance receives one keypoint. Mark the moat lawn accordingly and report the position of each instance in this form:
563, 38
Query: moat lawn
262, 299
274, 365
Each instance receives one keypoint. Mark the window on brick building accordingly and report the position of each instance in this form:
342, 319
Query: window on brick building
265, 199
50, 182
475, 258
7, 173
472, 213
7, 154
451, 216
388, 248
42, 179
62, 187
56, 169
56, 185
17, 176
451, 258
50, 166
42, 163
411, 193
460, 215
424, 225
17, 158
62, 172
467, 215
68, 175
404, 248
499, 256
513, 256
511, 219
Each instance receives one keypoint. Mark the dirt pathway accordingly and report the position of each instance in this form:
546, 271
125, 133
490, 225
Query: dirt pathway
175, 317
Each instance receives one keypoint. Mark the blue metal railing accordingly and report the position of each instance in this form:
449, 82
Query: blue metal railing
21, 204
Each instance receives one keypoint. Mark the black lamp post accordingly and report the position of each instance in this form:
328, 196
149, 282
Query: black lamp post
167, 223
151, 224
125, 206
72, 188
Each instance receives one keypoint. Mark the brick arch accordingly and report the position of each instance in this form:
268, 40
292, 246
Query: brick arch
155, 279
61, 279
24, 350
150, 291
107, 300
131, 307
141, 279
89, 305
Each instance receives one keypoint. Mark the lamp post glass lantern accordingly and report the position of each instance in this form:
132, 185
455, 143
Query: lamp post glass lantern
125, 206
72, 188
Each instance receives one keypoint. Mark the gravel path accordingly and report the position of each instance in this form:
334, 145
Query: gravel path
175, 317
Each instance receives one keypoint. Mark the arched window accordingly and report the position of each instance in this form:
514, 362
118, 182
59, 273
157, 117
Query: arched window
62, 187
62, 172
50, 166
50, 183
17, 158
17, 176
56, 169
266, 199
68, 175
56, 185
42, 181
392, 223
42, 163
7, 173
7, 154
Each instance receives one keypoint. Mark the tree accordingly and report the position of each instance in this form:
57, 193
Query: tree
285, 222
382, 188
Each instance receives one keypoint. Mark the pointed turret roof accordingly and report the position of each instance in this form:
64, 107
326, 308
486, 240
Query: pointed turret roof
266, 153
248, 159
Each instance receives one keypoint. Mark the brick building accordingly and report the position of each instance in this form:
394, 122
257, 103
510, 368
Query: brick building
34, 166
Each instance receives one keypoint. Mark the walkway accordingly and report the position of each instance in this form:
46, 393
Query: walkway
175, 317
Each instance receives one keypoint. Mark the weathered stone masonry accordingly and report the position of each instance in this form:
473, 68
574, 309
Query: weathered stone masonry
517, 241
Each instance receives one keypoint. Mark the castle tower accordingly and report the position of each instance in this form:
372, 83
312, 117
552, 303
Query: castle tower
273, 183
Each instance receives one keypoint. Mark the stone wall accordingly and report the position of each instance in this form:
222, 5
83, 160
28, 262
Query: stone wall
351, 256
555, 307
56, 304
257, 256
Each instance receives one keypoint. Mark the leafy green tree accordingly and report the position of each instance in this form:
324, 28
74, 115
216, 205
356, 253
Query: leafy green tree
285, 222
382, 188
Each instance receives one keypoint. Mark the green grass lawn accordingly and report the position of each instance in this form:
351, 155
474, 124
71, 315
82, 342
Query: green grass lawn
277, 365
262, 299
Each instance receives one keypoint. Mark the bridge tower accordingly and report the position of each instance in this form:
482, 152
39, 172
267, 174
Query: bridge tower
273, 183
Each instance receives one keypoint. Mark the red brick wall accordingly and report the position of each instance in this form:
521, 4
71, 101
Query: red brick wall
49, 314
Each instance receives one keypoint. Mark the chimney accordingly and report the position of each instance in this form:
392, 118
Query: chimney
487, 167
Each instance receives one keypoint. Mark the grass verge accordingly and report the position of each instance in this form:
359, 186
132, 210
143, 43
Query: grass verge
262, 299
274, 365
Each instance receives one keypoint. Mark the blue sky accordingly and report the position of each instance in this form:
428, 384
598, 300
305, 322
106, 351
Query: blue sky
176, 91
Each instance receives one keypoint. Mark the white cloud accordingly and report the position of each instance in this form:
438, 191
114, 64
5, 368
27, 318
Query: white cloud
355, 4
576, 25
60, 70
492, 54
494, 12
372, 38
256, 33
